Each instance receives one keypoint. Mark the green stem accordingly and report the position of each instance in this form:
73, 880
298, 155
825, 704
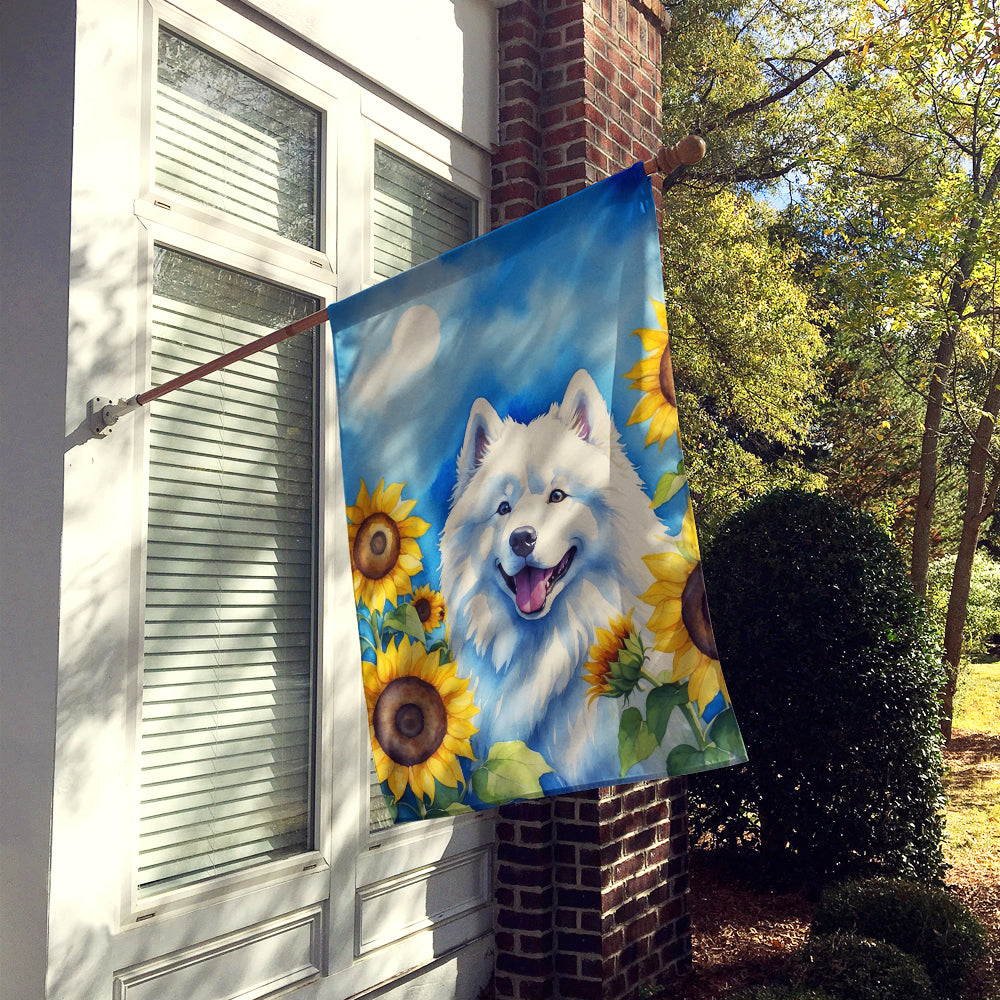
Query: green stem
695, 724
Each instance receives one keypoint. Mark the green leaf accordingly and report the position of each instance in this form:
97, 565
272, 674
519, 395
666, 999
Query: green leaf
635, 741
680, 760
660, 702
686, 759
406, 620
445, 796
670, 484
511, 771
725, 733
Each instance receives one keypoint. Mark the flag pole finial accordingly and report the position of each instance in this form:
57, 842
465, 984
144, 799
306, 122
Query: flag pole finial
668, 158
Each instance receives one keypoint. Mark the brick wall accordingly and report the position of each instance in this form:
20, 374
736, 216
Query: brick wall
579, 96
591, 888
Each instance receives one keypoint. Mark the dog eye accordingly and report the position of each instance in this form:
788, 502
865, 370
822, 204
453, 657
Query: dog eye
504, 508
557, 496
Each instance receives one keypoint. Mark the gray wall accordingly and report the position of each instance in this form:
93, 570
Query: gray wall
37, 42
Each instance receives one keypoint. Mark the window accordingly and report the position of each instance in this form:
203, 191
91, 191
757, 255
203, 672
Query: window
229, 646
416, 216
230, 141
227, 707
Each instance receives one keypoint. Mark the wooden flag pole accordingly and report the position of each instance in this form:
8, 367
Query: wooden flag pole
668, 158
103, 413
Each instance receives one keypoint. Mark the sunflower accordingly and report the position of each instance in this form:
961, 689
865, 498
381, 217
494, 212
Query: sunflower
680, 618
382, 538
429, 606
418, 716
654, 377
616, 660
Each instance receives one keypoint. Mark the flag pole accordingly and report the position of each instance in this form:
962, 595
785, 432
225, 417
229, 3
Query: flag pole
103, 413
687, 152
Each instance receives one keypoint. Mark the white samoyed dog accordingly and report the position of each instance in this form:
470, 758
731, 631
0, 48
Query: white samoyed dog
542, 545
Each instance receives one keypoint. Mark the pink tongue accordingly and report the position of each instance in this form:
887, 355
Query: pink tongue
530, 584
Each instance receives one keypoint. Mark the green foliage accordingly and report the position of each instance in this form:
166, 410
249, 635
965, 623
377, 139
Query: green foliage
857, 968
926, 922
983, 612
782, 992
833, 674
747, 355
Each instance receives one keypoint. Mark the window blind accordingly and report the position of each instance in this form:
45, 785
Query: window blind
228, 652
228, 140
417, 216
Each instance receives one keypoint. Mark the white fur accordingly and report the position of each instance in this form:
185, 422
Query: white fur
526, 663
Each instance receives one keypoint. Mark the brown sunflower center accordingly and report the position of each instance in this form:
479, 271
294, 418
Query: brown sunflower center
667, 377
410, 720
694, 613
423, 609
376, 546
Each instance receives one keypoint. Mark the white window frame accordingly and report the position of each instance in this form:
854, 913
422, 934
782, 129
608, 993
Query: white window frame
345, 880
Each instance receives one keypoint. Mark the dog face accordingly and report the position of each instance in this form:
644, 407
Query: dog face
532, 496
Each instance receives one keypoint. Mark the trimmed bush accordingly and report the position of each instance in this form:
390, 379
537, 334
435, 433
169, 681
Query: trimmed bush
856, 968
925, 922
833, 672
782, 993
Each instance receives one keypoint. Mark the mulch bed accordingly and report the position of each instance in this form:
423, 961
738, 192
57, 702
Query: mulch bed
742, 934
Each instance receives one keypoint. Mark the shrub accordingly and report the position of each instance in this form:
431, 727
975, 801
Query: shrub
782, 993
925, 922
833, 673
856, 968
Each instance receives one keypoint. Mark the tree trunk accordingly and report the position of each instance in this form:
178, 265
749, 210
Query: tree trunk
979, 500
920, 553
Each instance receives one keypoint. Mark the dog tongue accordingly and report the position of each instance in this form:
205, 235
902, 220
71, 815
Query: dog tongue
530, 584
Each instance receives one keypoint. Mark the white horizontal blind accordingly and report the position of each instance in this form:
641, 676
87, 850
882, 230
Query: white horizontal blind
226, 139
417, 216
228, 675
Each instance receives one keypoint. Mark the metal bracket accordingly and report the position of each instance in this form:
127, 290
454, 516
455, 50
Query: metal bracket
103, 413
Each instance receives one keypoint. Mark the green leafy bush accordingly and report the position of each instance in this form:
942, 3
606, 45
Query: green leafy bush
924, 921
856, 968
833, 673
779, 992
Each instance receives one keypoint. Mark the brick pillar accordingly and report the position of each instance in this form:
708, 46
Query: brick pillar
591, 888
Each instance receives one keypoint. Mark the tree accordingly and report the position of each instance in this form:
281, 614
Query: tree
913, 185
747, 356
747, 353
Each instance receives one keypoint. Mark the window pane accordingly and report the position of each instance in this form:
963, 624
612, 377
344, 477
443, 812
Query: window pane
228, 679
417, 215
226, 139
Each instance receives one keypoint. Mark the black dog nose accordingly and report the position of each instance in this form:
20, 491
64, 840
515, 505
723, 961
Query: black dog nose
522, 541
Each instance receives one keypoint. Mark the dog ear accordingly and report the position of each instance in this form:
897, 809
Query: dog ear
583, 408
483, 428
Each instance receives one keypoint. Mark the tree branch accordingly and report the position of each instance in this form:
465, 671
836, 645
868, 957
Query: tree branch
753, 107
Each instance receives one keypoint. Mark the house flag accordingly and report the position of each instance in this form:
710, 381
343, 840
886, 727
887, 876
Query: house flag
529, 594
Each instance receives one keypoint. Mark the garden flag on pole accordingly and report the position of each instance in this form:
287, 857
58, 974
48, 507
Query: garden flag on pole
529, 594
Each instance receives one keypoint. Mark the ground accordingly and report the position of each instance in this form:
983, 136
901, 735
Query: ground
741, 935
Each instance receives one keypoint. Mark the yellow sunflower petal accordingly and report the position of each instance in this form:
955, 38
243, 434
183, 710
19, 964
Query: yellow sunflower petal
644, 409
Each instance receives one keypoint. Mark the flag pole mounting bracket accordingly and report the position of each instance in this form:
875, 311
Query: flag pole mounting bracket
103, 413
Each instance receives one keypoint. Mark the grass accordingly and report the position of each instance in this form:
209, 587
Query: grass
978, 697
973, 784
